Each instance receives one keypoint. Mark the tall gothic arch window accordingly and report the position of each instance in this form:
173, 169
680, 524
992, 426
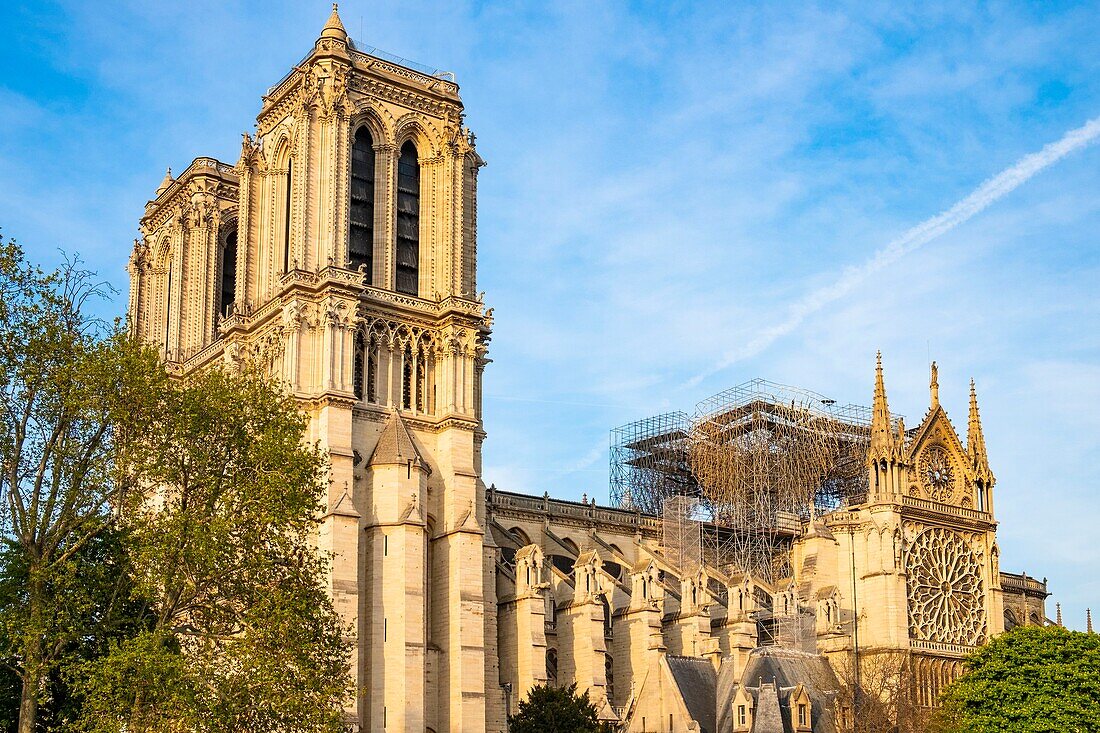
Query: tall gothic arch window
228, 272
286, 215
168, 311
361, 227
408, 220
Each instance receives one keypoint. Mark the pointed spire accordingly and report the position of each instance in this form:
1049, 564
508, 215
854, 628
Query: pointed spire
1058, 617
975, 441
1088, 620
168, 181
333, 27
882, 439
934, 386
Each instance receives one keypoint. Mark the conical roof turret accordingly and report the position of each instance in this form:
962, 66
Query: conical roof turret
164, 184
334, 28
396, 447
975, 439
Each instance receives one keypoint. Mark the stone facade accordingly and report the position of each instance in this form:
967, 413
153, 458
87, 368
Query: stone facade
339, 254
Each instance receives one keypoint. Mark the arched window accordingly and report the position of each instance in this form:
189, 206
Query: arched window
357, 369
421, 377
609, 675
168, 312
408, 221
407, 380
361, 226
372, 370
286, 216
228, 274
552, 667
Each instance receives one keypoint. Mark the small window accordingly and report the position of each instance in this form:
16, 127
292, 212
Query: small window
372, 371
609, 675
742, 715
803, 716
552, 667
357, 368
407, 380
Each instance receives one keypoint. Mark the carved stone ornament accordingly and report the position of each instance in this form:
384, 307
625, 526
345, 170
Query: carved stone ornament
946, 597
938, 474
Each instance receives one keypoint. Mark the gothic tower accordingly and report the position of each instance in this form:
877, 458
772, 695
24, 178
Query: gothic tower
339, 254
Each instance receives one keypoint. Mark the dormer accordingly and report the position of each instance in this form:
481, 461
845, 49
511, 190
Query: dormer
743, 707
801, 710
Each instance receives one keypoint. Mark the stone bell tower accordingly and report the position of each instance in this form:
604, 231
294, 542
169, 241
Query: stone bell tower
339, 253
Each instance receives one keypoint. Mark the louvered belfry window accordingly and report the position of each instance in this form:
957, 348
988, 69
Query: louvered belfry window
408, 220
228, 274
361, 226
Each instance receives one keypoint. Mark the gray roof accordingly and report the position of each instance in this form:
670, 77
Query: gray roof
788, 668
696, 679
769, 718
396, 446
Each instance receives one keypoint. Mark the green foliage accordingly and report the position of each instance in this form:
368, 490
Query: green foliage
95, 605
1032, 680
158, 570
73, 392
556, 710
244, 635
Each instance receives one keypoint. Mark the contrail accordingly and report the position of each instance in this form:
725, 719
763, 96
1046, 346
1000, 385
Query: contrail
990, 191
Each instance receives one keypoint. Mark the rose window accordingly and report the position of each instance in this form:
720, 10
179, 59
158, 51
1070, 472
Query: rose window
946, 600
938, 474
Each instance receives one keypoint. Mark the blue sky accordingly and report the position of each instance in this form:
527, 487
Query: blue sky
666, 181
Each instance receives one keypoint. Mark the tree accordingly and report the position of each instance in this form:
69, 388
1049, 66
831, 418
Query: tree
556, 710
243, 635
1032, 679
73, 392
96, 590
880, 698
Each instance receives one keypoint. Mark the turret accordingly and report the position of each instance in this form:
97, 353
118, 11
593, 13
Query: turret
979, 458
884, 453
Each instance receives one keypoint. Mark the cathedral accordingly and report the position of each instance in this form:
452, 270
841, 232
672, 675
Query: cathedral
339, 253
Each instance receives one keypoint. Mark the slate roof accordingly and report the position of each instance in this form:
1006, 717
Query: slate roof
696, 679
788, 668
768, 718
396, 446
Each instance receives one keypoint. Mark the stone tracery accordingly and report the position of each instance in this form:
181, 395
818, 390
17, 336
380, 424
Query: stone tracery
946, 595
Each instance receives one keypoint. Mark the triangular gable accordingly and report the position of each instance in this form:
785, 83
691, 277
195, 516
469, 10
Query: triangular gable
936, 422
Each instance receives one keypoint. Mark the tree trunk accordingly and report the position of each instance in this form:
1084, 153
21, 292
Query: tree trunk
28, 701
34, 663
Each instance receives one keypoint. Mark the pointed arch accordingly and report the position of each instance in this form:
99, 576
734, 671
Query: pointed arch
282, 177
407, 270
362, 202
226, 261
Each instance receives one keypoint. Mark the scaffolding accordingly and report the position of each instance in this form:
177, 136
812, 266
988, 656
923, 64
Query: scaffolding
759, 459
682, 533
